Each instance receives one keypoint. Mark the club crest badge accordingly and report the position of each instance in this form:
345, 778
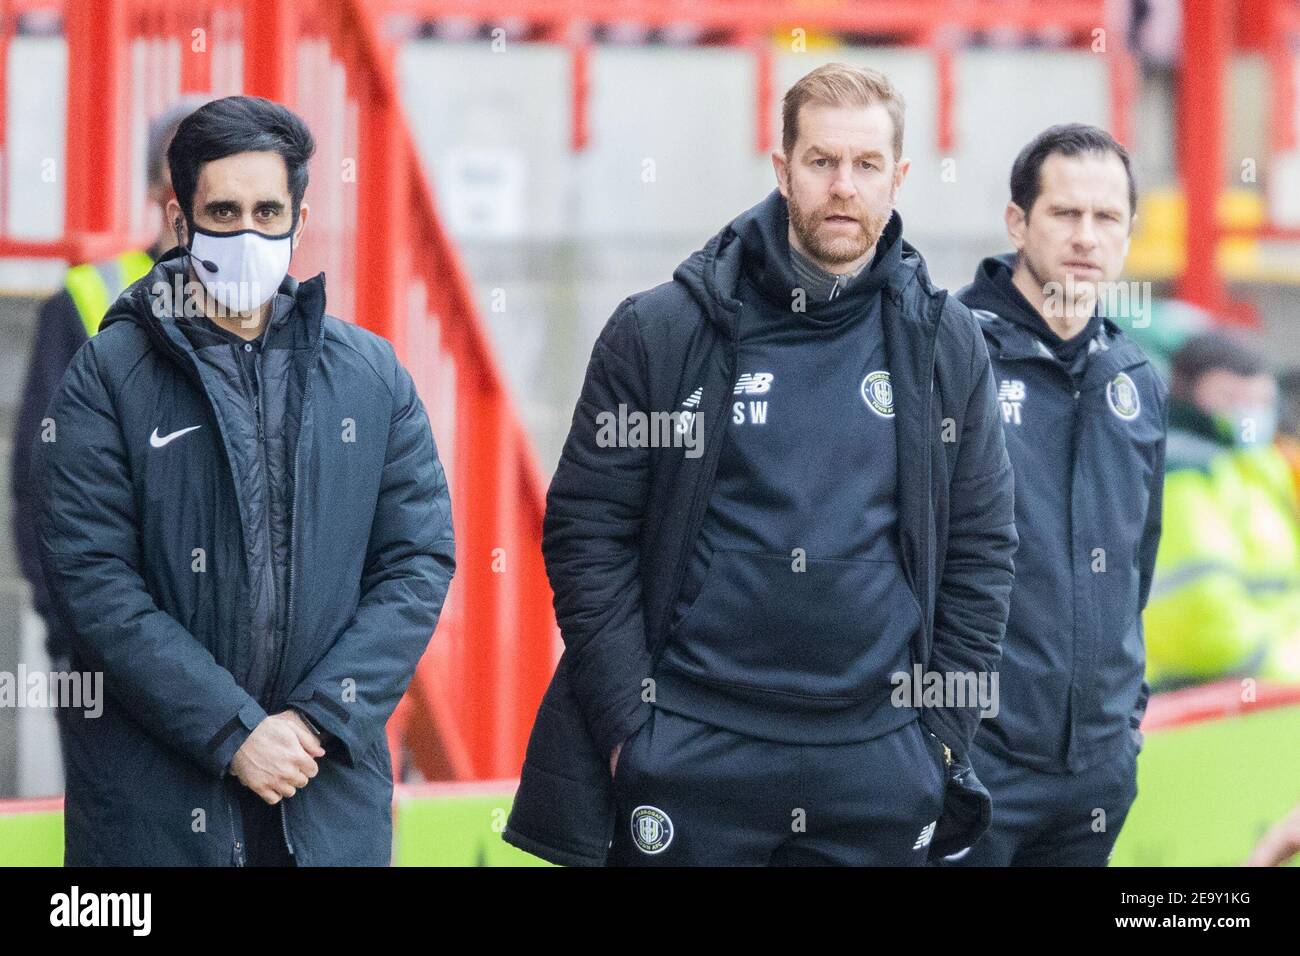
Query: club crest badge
878, 393
1122, 397
652, 831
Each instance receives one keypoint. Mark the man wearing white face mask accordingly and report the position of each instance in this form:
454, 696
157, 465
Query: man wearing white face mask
241, 270
247, 530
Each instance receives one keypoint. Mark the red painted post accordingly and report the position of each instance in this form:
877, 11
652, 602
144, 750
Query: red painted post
270, 31
1122, 71
580, 72
95, 157
575, 36
945, 125
196, 52
381, 210
1281, 66
507, 566
481, 449
1201, 82
764, 70
6, 37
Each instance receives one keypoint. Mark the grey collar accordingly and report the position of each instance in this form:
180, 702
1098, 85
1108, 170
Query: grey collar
821, 285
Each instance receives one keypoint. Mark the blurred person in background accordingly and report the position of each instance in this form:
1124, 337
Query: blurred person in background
246, 528
1084, 414
1288, 422
63, 324
1226, 598
736, 620
1280, 844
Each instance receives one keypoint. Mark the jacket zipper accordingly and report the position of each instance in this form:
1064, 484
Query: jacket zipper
706, 477
284, 825
293, 529
1075, 391
261, 454
256, 386
924, 570
1075, 387
293, 540
191, 367
258, 410
237, 845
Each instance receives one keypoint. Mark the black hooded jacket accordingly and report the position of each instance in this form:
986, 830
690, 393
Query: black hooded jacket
1085, 429
167, 506
795, 617
622, 522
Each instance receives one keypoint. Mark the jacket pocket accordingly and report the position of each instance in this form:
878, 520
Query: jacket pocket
629, 746
817, 628
934, 747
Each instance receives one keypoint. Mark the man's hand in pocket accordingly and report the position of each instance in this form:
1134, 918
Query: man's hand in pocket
613, 760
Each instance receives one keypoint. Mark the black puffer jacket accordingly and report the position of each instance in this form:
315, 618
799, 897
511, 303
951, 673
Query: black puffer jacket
621, 523
161, 516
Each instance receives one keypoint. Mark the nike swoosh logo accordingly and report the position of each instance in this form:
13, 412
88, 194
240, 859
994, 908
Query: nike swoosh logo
157, 441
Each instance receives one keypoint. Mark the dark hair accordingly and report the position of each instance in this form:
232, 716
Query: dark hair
1067, 139
1209, 351
238, 124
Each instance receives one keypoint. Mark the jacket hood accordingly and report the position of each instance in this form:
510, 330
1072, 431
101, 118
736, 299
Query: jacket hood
757, 242
992, 291
1014, 324
148, 301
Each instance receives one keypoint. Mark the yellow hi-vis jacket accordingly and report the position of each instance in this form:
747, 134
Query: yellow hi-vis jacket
1225, 600
94, 285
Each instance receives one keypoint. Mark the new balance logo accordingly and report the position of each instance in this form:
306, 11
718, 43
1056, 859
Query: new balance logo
754, 412
753, 383
1011, 394
927, 833
687, 418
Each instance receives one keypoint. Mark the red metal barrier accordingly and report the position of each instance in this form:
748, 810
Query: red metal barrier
1202, 77
1217, 701
390, 267
938, 25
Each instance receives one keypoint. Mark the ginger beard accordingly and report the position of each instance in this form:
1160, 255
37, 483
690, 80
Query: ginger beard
836, 246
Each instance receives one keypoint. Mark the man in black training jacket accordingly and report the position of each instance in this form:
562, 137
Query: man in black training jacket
743, 595
1084, 415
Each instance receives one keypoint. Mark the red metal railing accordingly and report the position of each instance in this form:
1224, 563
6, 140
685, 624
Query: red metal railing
942, 26
375, 230
1216, 701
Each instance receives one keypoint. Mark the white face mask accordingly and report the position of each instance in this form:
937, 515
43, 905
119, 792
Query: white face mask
243, 269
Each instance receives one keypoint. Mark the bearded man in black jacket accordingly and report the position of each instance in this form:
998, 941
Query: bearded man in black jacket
753, 589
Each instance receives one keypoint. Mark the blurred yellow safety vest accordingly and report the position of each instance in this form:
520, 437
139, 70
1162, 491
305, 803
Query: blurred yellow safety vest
1225, 600
94, 285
